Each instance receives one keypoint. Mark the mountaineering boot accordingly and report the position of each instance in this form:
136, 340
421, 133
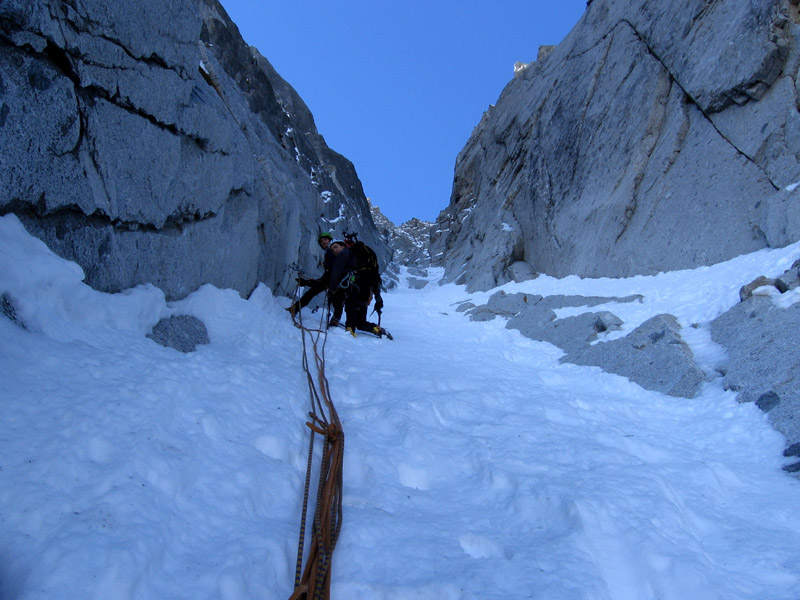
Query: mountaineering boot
380, 332
351, 331
334, 322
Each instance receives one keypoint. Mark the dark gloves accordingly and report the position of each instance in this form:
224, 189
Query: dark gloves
378, 303
305, 281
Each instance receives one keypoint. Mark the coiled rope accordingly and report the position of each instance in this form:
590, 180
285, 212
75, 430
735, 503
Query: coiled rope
314, 582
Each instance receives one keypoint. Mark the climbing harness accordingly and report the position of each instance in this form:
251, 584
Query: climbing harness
314, 581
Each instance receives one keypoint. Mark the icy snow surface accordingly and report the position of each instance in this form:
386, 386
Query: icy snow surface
476, 466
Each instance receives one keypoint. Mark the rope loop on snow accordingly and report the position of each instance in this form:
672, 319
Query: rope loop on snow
314, 581
330, 431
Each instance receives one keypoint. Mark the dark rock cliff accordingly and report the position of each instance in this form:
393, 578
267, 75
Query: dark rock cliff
148, 143
656, 136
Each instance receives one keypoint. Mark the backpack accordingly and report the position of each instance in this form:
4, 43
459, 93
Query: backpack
365, 256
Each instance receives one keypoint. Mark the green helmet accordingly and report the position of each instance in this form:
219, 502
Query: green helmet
324, 234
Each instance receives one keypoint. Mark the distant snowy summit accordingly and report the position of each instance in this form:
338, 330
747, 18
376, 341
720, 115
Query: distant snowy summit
410, 241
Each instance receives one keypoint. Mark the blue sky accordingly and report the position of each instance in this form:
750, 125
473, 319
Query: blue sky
398, 87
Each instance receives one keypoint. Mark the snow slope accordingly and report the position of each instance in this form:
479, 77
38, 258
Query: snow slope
476, 466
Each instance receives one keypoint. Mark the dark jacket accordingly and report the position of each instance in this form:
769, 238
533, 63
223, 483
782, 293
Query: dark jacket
327, 264
345, 263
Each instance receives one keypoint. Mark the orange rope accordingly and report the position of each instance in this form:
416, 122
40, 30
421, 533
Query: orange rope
315, 580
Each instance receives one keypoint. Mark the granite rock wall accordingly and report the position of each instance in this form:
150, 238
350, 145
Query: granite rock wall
150, 144
657, 136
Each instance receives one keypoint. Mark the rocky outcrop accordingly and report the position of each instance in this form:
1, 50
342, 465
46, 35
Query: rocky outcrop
653, 355
410, 241
410, 244
759, 336
148, 143
657, 136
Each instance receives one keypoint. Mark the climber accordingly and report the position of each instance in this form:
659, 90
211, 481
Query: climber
355, 278
315, 286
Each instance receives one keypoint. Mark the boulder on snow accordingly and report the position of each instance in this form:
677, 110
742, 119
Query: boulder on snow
535, 317
503, 304
653, 355
791, 278
181, 332
768, 400
747, 290
9, 310
464, 306
521, 271
572, 334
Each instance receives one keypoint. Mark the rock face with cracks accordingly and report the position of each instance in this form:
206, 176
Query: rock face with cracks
148, 143
657, 136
